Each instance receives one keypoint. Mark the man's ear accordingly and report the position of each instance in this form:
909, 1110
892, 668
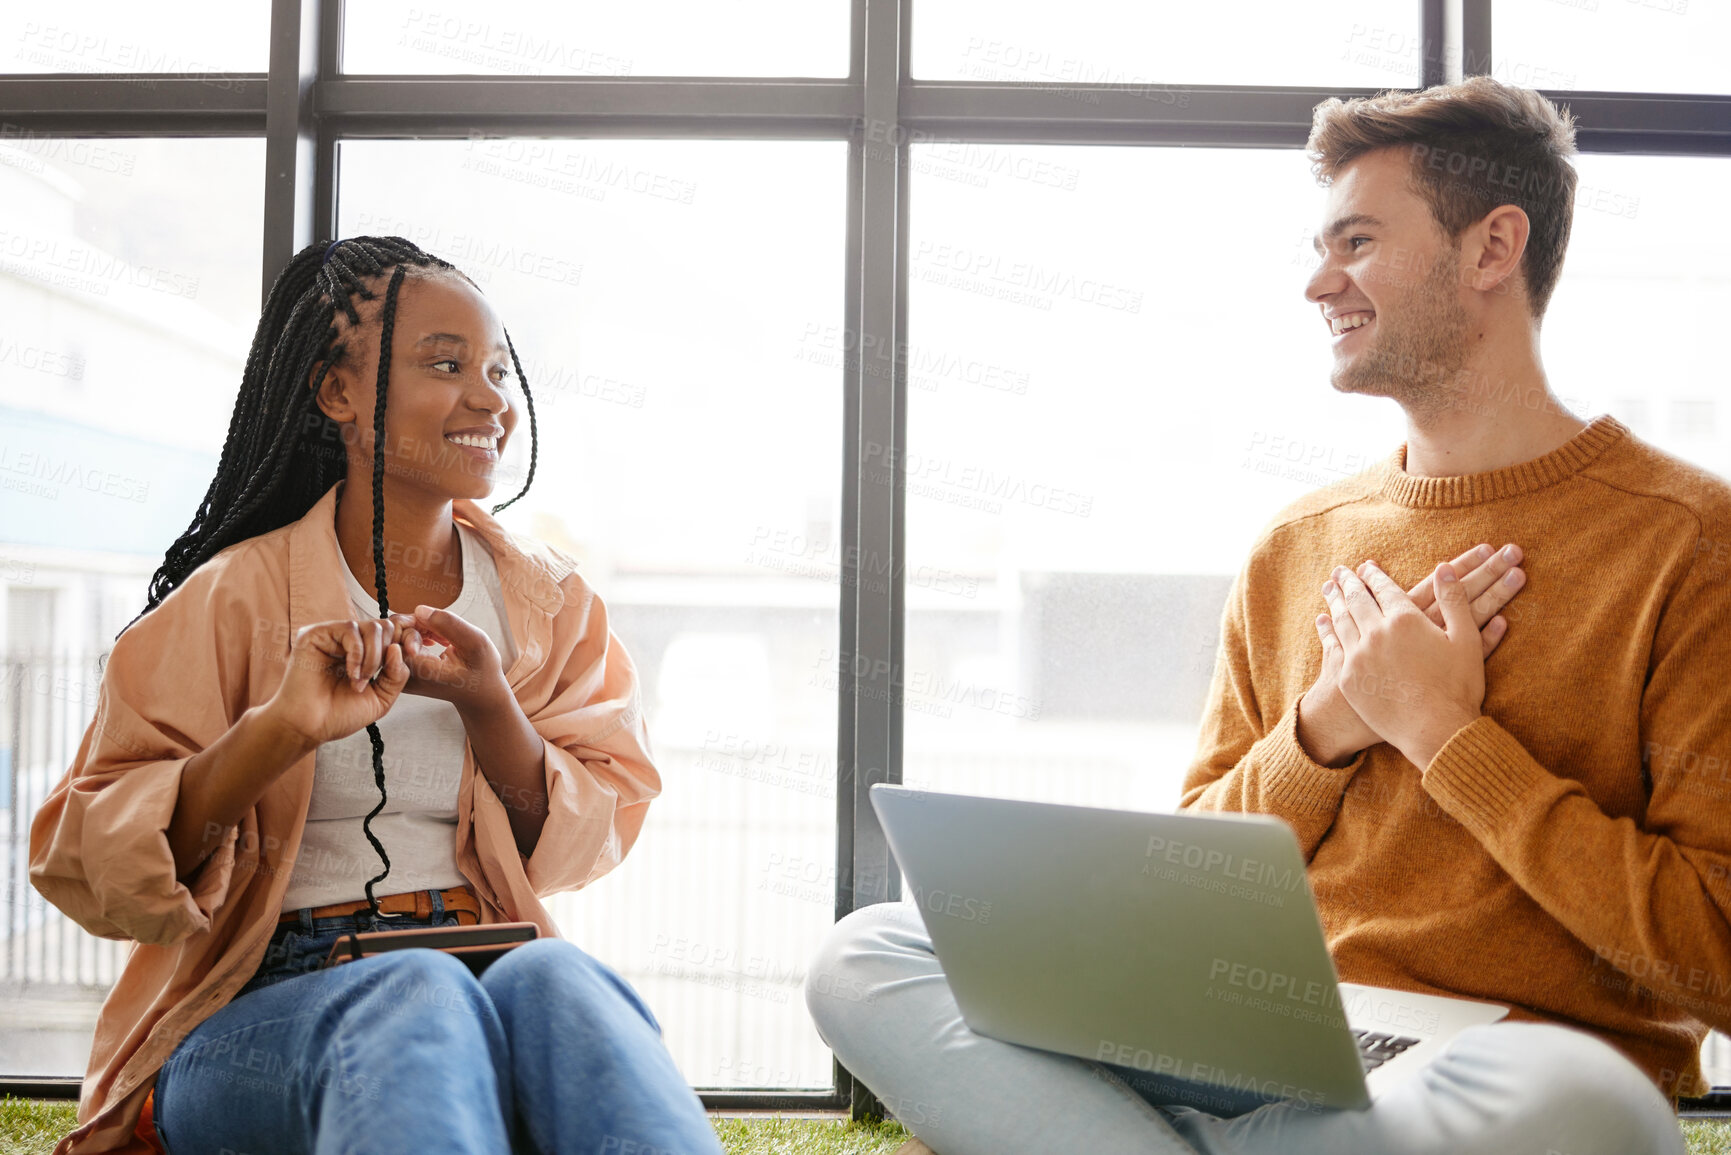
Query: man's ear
1491, 250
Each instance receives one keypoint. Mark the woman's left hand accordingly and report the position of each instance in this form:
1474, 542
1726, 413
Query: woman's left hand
464, 672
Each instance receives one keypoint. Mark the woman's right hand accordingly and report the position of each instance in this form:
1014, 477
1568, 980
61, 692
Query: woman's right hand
342, 675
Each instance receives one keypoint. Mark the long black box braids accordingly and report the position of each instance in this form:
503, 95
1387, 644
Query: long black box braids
278, 459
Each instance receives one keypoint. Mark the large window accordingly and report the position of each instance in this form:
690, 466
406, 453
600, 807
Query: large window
911, 379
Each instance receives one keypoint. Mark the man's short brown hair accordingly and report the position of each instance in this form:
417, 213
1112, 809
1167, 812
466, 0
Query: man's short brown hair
1475, 145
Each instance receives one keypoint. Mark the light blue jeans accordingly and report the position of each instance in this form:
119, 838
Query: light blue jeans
880, 1000
547, 1051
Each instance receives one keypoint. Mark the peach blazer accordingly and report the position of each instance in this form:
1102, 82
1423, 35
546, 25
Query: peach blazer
180, 676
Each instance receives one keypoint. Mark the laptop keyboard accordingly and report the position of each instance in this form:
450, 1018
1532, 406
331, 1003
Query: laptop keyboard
1376, 1048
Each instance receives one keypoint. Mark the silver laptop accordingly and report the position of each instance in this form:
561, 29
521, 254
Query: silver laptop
1183, 945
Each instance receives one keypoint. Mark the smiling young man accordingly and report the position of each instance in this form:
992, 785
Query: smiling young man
1534, 814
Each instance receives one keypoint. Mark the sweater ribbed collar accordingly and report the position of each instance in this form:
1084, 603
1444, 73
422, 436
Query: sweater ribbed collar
1563, 462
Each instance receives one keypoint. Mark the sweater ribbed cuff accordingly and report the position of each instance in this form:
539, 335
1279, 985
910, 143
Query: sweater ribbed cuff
1482, 775
1293, 779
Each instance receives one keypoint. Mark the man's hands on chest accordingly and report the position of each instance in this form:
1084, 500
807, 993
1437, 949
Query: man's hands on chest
1370, 692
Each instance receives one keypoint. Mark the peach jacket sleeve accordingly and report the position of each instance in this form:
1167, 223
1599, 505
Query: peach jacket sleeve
99, 844
600, 777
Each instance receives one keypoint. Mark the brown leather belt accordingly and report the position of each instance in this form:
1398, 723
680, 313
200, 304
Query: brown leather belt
459, 900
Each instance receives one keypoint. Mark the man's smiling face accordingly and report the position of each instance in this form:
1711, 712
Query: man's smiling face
1389, 286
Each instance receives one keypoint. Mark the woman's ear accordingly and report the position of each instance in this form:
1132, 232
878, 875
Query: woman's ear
334, 396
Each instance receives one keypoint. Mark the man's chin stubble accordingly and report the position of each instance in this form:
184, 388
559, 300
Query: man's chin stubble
1420, 382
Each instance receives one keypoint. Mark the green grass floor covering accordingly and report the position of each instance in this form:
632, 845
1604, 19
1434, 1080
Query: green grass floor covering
33, 1126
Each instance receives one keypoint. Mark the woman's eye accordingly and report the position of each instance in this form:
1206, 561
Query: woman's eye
451, 361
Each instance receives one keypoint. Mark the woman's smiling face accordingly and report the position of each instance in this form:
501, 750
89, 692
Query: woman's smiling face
448, 414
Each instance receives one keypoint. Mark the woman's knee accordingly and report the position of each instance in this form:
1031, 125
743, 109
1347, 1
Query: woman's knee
547, 969
544, 961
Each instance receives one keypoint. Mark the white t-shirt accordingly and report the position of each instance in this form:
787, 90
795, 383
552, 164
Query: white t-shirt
423, 764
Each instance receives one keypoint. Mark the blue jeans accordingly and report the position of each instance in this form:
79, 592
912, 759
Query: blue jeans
547, 1051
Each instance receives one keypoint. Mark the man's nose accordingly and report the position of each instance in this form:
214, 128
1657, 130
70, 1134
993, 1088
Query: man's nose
1325, 281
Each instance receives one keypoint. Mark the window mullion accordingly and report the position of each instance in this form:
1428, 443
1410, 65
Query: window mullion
291, 134
874, 664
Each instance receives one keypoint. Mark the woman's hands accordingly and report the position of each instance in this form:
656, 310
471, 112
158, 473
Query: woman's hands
344, 675
1329, 728
449, 657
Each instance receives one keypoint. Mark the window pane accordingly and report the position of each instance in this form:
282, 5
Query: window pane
125, 36
592, 38
1374, 44
1613, 45
1077, 365
129, 280
1623, 259
690, 457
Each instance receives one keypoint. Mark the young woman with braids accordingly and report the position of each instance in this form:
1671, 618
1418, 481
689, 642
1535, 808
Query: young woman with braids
220, 810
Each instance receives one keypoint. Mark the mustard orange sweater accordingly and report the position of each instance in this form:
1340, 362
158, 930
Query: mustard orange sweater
1567, 854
